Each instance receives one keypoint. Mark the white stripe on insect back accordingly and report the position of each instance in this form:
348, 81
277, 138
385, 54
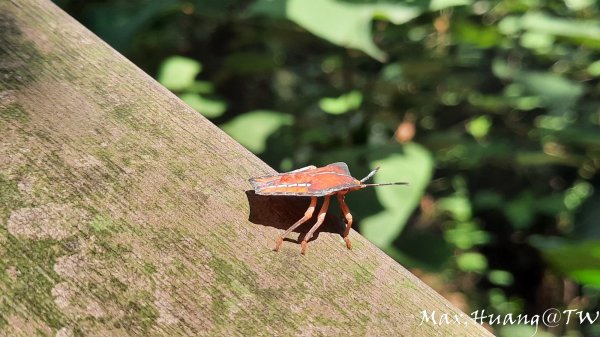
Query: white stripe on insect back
293, 185
288, 185
331, 172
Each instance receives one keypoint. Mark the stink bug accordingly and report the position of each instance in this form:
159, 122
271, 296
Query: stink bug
313, 182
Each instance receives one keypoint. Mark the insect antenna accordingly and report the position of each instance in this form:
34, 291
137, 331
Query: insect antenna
370, 175
384, 184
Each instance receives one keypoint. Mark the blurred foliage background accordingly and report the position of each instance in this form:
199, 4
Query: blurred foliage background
490, 109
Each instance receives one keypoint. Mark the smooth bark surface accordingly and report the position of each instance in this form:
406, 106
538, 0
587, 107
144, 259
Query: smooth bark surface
125, 212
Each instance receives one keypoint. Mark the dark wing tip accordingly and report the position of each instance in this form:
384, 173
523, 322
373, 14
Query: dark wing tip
341, 165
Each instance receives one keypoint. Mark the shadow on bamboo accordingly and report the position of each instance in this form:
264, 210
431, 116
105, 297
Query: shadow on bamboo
283, 211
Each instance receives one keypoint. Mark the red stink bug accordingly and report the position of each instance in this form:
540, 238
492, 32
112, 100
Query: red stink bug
313, 182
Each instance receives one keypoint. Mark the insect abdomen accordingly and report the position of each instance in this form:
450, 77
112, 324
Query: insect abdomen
303, 184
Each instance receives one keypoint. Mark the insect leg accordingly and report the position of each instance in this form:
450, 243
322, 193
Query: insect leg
348, 217
320, 220
307, 215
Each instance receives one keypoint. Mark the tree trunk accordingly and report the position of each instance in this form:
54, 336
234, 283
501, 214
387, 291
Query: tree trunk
125, 212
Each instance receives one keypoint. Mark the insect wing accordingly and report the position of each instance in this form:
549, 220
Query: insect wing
331, 178
291, 183
261, 183
308, 181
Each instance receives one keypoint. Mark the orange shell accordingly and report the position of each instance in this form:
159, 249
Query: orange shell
309, 181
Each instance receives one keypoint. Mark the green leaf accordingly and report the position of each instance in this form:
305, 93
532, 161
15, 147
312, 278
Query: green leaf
594, 69
436, 5
207, 107
541, 23
533, 89
579, 260
458, 206
414, 164
579, 4
556, 92
341, 23
383, 227
342, 104
473, 262
500, 277
547, 24
466, 235
586, 276
346, 24
481, 36
576, 195
253, 128
537, 40
479, 127
178, 73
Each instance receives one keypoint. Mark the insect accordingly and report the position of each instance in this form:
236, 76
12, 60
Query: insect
314, 182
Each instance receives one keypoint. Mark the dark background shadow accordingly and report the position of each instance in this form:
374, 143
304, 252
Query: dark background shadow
283, 211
